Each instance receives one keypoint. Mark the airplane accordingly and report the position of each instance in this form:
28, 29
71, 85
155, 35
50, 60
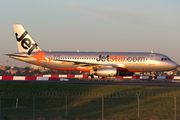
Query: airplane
101, 64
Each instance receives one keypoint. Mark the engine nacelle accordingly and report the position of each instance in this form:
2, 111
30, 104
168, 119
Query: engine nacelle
107, 72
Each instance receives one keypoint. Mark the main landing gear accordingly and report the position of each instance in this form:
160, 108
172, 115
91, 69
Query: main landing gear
100, 77
90, 76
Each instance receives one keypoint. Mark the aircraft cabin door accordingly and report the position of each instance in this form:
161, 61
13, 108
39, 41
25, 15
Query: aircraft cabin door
152, 58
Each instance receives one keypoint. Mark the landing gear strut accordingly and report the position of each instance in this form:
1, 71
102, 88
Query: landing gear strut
153, 75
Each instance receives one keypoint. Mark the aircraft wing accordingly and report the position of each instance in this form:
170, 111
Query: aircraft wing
86, 64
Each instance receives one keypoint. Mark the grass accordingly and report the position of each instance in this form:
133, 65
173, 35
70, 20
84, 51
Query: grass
90, 105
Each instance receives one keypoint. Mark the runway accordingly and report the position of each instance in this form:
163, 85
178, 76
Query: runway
135, 83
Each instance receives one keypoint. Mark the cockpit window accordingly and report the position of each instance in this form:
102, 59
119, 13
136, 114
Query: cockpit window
165, 59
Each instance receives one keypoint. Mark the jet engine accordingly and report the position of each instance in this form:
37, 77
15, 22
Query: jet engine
107, 72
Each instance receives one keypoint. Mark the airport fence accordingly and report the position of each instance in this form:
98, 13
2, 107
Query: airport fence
79, 105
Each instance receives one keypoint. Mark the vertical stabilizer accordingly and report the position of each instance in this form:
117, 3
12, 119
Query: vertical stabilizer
24, 40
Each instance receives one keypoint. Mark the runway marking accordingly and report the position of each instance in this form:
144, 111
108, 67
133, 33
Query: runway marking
42, 78
19, 78
176, 77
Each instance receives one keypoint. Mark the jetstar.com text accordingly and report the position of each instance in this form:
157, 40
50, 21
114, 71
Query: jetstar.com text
120, 59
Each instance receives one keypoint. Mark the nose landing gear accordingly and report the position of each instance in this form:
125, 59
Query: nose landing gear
153, 75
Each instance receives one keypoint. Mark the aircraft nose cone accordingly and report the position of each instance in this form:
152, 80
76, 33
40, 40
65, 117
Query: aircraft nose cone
173, 65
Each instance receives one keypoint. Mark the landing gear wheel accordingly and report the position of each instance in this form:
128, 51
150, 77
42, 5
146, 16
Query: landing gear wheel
100, 77
90, 76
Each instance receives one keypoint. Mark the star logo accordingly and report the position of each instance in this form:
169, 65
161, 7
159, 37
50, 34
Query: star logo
49, 59
40, 56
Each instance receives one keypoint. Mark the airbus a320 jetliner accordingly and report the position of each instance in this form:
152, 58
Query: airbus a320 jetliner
102, 64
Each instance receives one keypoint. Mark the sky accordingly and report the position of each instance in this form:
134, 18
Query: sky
93, 25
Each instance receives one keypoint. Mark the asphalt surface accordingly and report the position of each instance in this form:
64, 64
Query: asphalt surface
135, 83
